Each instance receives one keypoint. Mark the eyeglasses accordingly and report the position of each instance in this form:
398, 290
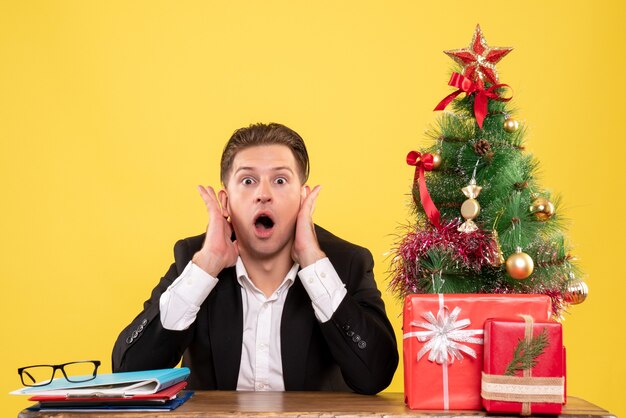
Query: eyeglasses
75, 371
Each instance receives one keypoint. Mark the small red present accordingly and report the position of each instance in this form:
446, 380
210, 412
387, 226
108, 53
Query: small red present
524, 368
443, 352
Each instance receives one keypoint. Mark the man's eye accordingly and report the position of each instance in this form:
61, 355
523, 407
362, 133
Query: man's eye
247, 181
281, 180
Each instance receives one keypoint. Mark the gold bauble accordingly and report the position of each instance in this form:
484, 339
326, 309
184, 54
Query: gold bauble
511, 125
436, 160
519, 265
470, 209
576, 292
542, 208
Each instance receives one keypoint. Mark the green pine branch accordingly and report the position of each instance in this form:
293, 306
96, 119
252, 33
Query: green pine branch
526, 353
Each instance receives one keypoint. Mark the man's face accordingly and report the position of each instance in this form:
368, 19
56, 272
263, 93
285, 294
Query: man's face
263, 196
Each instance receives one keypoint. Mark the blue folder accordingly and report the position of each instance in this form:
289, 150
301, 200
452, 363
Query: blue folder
113, 384
170, 405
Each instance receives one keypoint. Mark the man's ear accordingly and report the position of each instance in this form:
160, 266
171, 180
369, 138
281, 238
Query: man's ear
223, 197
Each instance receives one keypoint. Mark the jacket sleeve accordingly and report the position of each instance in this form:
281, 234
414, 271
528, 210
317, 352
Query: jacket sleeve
144, 344
359, 334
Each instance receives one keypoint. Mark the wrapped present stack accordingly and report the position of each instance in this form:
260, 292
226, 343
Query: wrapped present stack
487, 242
443, 345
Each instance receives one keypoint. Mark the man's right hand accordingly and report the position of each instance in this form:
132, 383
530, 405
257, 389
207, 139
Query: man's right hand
218, 251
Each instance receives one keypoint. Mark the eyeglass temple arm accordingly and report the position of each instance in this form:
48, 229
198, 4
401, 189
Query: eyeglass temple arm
29, 375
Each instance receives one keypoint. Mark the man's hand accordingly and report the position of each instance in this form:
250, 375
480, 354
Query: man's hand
218, 251
306, 249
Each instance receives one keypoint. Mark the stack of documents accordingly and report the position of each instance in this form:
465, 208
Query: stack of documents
149, 390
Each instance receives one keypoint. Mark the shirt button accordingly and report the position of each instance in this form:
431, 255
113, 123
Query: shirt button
262, 346
323, 275
310, 280
260, 386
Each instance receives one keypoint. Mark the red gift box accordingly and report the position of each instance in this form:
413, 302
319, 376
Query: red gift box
443, 352
508, 385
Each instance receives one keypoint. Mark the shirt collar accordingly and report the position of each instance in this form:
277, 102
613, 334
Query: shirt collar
244, 279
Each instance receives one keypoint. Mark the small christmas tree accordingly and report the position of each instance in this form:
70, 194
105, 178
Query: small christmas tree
483, 223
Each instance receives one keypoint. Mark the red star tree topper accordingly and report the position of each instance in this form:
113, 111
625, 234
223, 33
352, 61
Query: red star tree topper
479, 60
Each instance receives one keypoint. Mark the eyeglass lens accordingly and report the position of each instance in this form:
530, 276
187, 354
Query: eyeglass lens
37, 375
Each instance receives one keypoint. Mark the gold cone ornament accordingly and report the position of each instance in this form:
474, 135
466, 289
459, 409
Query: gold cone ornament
519, 265
500, 260
542, 208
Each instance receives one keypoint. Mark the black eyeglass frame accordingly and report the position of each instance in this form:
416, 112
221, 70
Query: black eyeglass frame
55, 367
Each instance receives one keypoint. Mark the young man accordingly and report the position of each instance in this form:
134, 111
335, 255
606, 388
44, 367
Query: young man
265, 299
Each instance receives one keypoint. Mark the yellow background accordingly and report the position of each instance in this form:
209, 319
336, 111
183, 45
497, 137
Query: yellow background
112, 112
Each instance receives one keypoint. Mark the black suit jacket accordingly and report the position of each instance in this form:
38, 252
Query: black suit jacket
354, 350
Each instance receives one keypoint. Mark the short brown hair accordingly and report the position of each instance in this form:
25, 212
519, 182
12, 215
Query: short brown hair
265, 134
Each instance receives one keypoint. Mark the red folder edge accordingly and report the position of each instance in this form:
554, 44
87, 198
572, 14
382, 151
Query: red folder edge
165, 394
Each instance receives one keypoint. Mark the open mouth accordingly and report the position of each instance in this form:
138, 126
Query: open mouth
264, 222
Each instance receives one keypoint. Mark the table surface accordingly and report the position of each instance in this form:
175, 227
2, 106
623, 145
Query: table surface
306, 404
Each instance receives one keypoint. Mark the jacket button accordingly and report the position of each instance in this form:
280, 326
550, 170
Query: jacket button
346, 327
135, 334
350, 333
140, 328
356, 338
362, 344
129, 340
144, 322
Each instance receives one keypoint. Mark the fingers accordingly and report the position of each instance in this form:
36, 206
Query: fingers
210, 199
309, 202
207, 194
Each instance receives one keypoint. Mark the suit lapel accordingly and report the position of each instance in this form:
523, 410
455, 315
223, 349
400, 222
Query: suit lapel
226, 330
296, 326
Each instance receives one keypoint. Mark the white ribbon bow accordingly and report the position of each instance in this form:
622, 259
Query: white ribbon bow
444, 336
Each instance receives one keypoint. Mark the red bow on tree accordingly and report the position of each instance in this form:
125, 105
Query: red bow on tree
424, 162
467, 86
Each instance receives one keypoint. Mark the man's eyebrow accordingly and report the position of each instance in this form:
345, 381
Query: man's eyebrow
279, 168
282, 168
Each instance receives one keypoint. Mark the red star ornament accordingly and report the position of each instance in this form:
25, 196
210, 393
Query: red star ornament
479, 60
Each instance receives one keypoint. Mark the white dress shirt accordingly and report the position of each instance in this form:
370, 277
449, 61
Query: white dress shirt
261, 364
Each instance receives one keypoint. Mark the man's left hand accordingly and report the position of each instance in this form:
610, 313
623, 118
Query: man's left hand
306, 249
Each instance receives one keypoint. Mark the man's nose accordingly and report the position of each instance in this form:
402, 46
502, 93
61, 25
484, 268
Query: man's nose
264, 193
